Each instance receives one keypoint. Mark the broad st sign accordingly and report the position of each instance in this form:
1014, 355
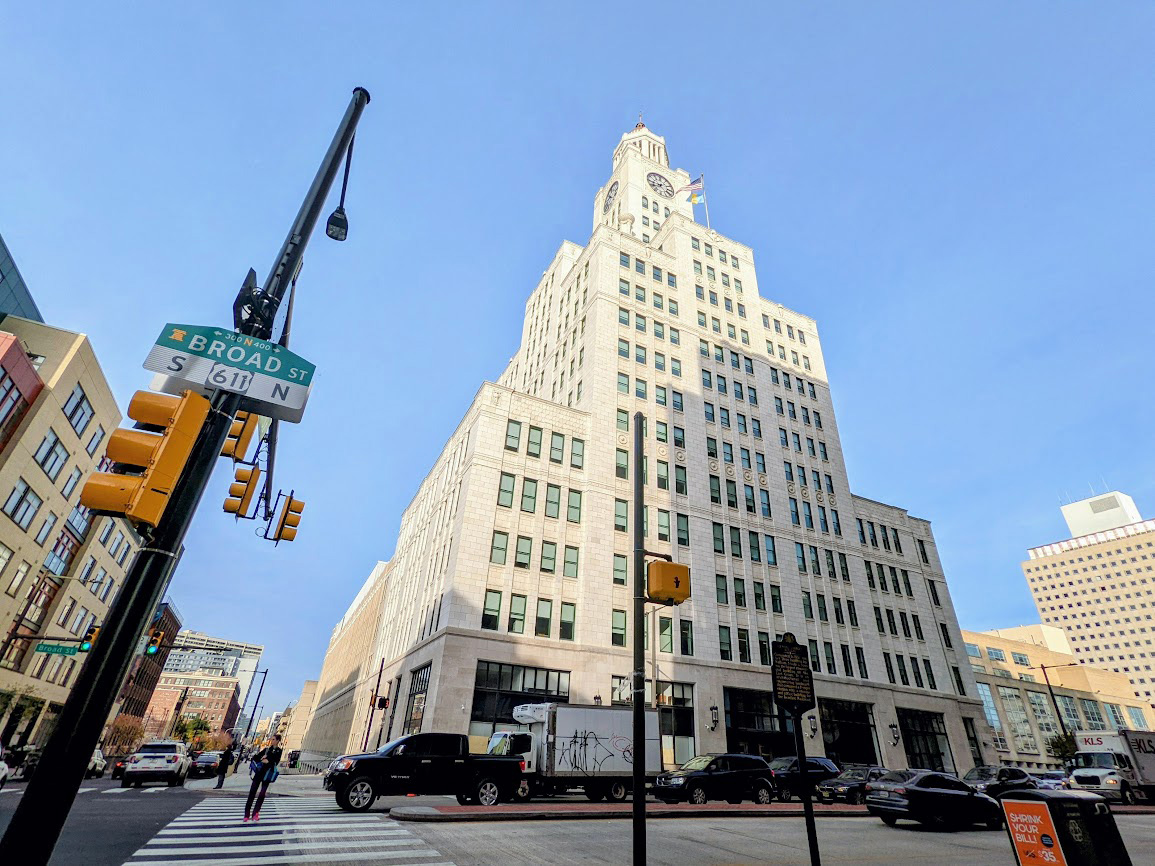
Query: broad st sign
272, 380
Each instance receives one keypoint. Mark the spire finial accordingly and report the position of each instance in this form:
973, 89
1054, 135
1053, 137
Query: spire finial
640, 124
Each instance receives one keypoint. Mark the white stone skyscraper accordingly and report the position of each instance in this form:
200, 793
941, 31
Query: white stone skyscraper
511, 578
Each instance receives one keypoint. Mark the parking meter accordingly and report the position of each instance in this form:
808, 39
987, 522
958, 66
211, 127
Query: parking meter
1063, 828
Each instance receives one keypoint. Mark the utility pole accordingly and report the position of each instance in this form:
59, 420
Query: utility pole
373, 706
1054, 700
41, 813
256, 703
639, 684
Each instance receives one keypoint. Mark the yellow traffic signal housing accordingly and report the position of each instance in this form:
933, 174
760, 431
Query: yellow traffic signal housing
155, 638
668, 582
242, 490
240, 435
89, 638
148, 465
288, 519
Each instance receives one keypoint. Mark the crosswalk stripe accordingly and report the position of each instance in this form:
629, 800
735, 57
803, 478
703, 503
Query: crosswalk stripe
302, 858
278, 834
115, 791
273, 846
85, 790
262, 826
152, 790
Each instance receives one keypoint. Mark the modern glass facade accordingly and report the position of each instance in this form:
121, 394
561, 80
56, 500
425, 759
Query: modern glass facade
15, 299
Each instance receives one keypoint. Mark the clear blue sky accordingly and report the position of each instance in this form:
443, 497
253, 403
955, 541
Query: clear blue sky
962, 195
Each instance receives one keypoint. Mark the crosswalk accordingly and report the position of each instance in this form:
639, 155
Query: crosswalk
291, 830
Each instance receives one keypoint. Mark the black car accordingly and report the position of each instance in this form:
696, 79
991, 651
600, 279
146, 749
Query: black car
936, 799
788, 781
732, 778
116, 765
849, 785
205, 764
996, 781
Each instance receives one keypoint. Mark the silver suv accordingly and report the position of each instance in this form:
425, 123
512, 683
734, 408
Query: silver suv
158, 761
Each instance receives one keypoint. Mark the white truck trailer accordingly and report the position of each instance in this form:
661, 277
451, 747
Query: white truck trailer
571, 746
1119, 765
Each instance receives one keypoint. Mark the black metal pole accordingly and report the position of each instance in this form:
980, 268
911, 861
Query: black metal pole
40, 815
256, 703
807, 790
639, 684
373, 706
1055, 701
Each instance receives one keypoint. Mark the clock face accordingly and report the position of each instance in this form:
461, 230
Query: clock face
610, 196
660, 185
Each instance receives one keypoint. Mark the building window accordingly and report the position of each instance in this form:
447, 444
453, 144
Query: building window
574, 512
556, 447
524, 552
548, 557
684, 530
570, 568
568, 615
577, 453
415, 708
721, 589
94, 442
621, 515
22, 504
491, 615
512, 435
528, 495
533, 443
744, 646
498, 548
724, 648
78, 410
51, 455
505, 490
544, 617
622, 464
620, 569
687, 636
516, 614
618, 628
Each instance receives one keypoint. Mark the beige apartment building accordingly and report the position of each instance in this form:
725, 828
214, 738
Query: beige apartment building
1012, 667
59, 567
511, 581
1098, 586
299, 720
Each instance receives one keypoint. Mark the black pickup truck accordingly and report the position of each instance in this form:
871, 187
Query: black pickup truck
424, 764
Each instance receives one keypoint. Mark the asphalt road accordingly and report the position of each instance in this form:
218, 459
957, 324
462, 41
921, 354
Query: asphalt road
108, 823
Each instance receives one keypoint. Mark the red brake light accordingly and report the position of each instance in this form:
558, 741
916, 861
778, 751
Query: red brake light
899, 790
868, 788
522, 765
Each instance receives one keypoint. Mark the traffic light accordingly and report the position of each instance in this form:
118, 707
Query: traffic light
89, 638
240, 435
288, 519
146, 464
242, 490
155, 637
668, 582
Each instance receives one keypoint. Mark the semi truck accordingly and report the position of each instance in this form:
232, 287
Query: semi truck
567, 747
1118, 765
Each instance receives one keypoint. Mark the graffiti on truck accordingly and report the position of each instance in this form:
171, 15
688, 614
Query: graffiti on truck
587, 751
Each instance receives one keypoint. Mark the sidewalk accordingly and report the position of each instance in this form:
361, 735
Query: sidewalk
546, 811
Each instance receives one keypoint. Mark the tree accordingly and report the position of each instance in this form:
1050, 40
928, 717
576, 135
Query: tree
187, 729
123, 735
1063, 747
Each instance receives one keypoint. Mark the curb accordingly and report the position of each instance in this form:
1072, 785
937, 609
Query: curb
430, 814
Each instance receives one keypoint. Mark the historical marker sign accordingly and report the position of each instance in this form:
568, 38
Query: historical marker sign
793, 680
273, 381
56, 649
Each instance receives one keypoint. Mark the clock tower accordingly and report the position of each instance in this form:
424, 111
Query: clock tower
641, 193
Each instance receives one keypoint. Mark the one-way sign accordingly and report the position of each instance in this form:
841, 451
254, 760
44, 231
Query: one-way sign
274, 381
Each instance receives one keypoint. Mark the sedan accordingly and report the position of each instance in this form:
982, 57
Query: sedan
935, 799
206, 764
1050, 780
997, 781
4, 771
850, 785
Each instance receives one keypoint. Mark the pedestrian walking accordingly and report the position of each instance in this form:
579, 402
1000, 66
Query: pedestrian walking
226, 761
265, 772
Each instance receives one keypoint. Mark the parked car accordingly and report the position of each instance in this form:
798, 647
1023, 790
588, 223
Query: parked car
4, 770
729, 777
935, 799
424, 764
158, 761
996, 781
787, 780
849, 785
96, 765
205, 764
1050, 780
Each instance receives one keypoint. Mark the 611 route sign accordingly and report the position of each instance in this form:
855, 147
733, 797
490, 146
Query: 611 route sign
273, 381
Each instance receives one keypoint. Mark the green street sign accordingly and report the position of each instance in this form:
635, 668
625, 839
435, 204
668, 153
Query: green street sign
56, 649
274, 381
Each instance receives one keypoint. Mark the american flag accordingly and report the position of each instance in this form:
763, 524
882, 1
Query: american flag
694, 185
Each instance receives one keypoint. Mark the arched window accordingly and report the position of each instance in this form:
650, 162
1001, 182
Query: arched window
645, 202
667, 213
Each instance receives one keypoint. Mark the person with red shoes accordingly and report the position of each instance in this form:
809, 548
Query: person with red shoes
264, 772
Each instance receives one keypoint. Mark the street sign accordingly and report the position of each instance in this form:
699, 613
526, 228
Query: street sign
793, 680
56, 649
272, 380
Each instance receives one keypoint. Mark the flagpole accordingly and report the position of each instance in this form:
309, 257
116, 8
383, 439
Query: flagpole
705, 201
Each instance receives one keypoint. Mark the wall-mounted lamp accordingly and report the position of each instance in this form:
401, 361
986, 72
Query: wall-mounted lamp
598, 700
894, 736
813, 725
713, 717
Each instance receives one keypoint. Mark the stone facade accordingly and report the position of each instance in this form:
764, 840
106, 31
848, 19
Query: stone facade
512, 575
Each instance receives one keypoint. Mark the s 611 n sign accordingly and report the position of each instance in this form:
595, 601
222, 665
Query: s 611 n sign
274, 381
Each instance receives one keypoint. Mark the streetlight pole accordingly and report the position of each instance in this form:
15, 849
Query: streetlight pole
639, 673
41, 813
1054, 700
249, 726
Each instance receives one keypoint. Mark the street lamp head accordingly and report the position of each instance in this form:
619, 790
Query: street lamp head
338, 226
813, 725
598, 699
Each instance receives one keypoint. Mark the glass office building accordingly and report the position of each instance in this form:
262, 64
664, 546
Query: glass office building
15, 299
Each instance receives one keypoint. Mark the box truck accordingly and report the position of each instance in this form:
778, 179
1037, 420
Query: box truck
1119, 765
568, 747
